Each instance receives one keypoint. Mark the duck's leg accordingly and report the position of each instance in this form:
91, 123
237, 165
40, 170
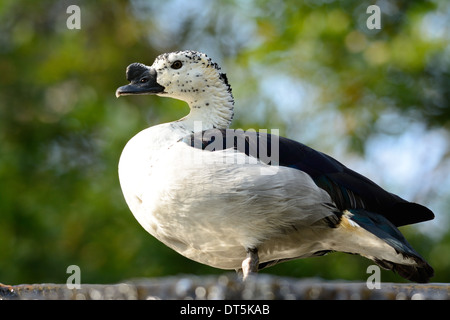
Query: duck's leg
251, 263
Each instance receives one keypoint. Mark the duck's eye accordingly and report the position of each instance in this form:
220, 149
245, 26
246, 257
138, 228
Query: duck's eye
176, 65
143, 80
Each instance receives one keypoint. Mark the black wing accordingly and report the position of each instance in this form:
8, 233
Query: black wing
347, 188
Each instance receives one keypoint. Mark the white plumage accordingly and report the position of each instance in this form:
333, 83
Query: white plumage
212, 213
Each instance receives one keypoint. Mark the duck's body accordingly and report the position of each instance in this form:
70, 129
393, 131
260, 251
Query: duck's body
229, 207
211, 211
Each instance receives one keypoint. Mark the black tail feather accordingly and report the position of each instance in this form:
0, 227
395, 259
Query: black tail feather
379, 226
421, 273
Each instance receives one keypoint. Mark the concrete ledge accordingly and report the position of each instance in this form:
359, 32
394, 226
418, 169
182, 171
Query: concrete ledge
227, 286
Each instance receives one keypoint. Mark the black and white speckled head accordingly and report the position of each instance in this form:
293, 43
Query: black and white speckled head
187, 71
190, 76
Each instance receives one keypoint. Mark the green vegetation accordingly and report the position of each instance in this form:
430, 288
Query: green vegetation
311, 69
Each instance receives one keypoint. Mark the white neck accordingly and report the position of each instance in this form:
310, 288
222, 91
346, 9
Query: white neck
216, 112
211, 105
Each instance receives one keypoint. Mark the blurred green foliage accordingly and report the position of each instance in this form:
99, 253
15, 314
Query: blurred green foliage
62, 129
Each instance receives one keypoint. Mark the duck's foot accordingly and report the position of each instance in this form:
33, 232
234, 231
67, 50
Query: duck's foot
250, 264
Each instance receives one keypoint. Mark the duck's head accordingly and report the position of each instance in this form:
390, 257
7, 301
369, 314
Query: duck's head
190, 76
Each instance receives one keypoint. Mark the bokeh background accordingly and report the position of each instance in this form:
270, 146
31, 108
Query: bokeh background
377, 100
